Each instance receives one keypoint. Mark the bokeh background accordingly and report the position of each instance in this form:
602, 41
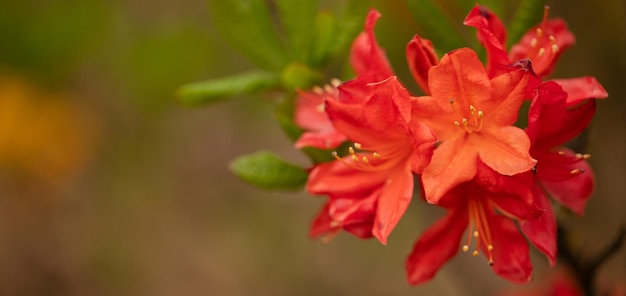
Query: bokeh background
109, 187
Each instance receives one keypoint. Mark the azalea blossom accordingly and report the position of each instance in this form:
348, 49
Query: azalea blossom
472, 116
482, 208
368, 61
560, 173
542, 45
375, 178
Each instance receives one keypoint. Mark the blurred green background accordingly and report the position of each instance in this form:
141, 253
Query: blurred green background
109, 187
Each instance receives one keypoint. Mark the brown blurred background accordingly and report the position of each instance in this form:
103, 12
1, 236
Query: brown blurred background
108, 187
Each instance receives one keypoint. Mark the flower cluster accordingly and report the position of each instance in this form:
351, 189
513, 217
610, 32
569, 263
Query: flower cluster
493, 178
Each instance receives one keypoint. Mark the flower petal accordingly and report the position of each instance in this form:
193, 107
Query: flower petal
421, 56
394, 199
582, 88
436, 246
339, 178
551, 38
510, 250
570, 189
509, 91
366, 57
505, 149
492, 35
542, 231
460, 76
452, 163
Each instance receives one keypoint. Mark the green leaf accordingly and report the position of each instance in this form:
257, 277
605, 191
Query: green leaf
267, 171
298, 21
299, 76
211, 91
325, 37
247, 24
439, 27
528, 14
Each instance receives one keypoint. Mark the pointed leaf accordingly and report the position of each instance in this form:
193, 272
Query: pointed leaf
211, 91
248, 26
267, 171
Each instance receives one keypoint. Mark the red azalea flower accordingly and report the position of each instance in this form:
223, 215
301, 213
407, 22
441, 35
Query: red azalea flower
542, 44
369, 62
388, 147
560, 173
472, 117
484, 207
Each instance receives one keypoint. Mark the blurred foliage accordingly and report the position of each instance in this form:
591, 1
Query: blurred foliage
58, 34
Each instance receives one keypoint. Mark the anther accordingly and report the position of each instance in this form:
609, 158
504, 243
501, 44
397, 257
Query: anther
320, 108
376, 155
357, 146
476, 233
458, 124
472, 109
335, 82
465, 123
490, 248
533, 42
541, 52
583, 156
561, 152
318, 90
355, 158
351, 150
365, 160
551, 37
577, 171
328, 88
465, 248
539, 32
475, 253
555, 48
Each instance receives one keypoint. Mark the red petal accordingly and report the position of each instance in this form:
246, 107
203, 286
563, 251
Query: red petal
424, 143
436, 246
546, 113
421, 56
492, 35
505, 150
571, 190
338, 178
510, 250
322, 140
366, 57
509, 90
453, 162
582, 88
550, 122
393, 202
543, 63
390, 102
460, 76
542, 231
322, 224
